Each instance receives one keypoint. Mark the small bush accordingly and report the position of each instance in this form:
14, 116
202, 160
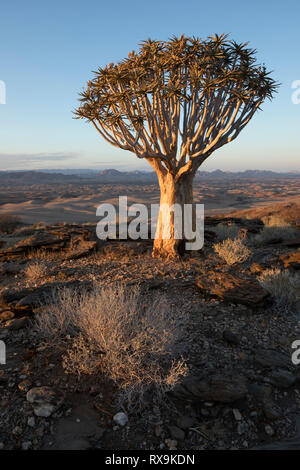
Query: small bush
282, 285
275, 221
233, 251
274, 227
113, 332
226, 231
36, 271
8, 223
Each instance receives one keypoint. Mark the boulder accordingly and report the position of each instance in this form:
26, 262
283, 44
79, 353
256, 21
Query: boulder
232, 288
292, 243
40, 240
17, 323
271, 358
291, 260
35, 297
282, 378
45, 400
6, 315
217, 387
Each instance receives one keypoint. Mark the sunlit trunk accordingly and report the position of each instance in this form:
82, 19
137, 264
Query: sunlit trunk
170, 237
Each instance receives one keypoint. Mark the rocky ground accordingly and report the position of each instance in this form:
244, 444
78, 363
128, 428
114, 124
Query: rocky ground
242, 390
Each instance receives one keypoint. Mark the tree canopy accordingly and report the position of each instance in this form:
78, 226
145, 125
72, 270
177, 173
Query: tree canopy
177, 101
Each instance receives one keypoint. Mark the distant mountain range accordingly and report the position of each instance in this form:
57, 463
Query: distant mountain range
116, 176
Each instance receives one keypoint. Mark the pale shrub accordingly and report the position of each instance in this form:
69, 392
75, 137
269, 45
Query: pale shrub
275, 221
274, 227
9, 223
36, 270
233, 251
113, 332
282, 285
226, 231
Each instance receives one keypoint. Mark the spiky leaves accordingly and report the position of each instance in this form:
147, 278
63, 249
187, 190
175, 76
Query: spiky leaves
176, 102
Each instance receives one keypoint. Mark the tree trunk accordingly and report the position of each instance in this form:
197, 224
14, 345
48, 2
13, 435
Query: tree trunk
170, 237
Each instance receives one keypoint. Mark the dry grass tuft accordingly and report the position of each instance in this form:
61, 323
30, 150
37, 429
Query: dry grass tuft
114, 332
36, 271
282, 285
233, 251
275, 221
274, 227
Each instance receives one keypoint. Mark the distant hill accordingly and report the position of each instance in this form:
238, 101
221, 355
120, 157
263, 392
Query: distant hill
249, 174
25, 178
111, 176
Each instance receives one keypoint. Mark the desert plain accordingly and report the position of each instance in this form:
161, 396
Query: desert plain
222, 377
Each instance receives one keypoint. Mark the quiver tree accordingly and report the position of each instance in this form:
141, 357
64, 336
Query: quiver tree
174, 103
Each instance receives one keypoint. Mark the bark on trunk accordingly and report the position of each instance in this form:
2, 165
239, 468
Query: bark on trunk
170, 238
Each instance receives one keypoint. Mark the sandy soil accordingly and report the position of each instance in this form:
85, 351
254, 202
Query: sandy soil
77, 203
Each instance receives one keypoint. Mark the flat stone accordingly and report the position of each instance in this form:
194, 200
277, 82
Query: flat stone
218, 387
40, 240
185, 422
176, 433
231, 337
261, 392
78, 430
120, 418
272, 358
282, 378
237, 414
45, 400
35, 297
291, 260
269, 430
41, 395
17, 323
231, 288
6, 315
271, 411
44, 411
292, 242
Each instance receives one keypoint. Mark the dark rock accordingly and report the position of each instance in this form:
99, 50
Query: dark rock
282, 378
209, 236
292, 243
220, 388
271, 411
185, 422
176, 433
272, 358
261, 392
79, 431
233, 289
37, 296
292, 260
18, 323
40, 240
6, 315
231, 337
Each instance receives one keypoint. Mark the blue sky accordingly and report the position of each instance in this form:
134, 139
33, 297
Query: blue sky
48, 50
